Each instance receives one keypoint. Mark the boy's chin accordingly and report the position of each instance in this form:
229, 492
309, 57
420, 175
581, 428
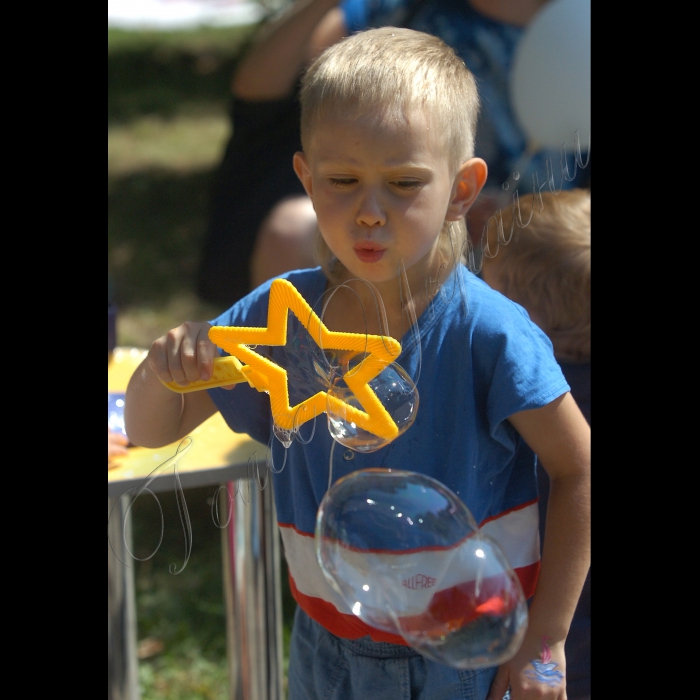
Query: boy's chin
387, 272
370, 273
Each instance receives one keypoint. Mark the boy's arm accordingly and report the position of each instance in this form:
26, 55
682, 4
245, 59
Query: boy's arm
560, 436
271, 66
155, 416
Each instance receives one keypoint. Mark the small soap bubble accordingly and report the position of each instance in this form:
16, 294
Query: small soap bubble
407, 557
284, 436
516, 175
396, 392
505, 186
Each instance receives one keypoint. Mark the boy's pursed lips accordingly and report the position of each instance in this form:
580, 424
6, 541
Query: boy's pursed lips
369, 251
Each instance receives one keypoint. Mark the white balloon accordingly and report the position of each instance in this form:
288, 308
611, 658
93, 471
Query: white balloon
550, 82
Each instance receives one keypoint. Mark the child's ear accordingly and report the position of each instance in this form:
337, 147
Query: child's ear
469, 181
301, 168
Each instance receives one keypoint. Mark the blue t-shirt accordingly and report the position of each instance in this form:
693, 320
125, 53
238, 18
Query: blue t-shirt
487, 47
481, 360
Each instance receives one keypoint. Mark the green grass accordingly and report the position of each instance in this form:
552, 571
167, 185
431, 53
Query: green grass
182, 614
203, 40
187, 142
167, 124
183, 678
155, 222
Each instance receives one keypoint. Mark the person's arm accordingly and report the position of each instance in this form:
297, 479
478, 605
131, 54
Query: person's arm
272, 65
153, 414
560, 436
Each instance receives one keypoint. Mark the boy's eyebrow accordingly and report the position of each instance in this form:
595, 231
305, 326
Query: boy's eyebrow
397, 165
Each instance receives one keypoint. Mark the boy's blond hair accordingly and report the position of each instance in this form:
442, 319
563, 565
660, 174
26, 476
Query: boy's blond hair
387, 71
546, 267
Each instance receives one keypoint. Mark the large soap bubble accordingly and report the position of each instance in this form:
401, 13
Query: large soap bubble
398, 395
407, 557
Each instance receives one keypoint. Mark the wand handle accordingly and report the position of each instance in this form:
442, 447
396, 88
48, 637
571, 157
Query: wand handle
227, 371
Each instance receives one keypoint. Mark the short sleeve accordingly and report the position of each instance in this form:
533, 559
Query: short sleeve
517, 357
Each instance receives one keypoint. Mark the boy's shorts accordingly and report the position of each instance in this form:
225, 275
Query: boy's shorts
325, 667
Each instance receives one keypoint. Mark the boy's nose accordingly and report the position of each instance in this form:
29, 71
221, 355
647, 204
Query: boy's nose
370, 212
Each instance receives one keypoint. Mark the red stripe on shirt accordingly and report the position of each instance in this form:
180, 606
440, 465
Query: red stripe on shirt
510, 510
351, 627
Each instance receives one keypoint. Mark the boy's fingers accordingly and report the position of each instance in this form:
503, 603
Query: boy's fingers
164, 357
206, 352
158, 360
189, 356
184, 354
174, 351
196, 353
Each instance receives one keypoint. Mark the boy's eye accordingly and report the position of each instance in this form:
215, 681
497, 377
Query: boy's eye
342, 181
407, 184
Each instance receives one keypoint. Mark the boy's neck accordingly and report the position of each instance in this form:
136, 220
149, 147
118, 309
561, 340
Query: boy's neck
357, 310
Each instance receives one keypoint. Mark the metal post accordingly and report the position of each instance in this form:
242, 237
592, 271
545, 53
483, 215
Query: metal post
252, 588
122, 658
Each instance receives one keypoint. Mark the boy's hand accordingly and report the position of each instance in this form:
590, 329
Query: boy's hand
185, 354
154, 415
536, 672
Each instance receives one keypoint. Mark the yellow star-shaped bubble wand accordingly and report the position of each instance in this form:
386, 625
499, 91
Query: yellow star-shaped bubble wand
265, 375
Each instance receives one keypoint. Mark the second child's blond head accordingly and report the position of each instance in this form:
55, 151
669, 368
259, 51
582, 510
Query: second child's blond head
546, 267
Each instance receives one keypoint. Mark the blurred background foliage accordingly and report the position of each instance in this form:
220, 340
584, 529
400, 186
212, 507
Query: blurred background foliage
167, 125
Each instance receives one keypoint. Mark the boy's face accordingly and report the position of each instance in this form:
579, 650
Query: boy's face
381, 189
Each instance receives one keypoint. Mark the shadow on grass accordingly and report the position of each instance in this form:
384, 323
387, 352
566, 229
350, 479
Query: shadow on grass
155, 222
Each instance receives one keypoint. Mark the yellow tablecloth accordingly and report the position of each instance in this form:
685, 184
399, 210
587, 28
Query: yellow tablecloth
214, 444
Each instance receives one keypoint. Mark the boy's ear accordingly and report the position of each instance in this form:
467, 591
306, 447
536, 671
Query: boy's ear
301, 168
469, 181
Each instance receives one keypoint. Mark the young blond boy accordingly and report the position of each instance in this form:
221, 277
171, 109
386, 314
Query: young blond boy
388, 120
